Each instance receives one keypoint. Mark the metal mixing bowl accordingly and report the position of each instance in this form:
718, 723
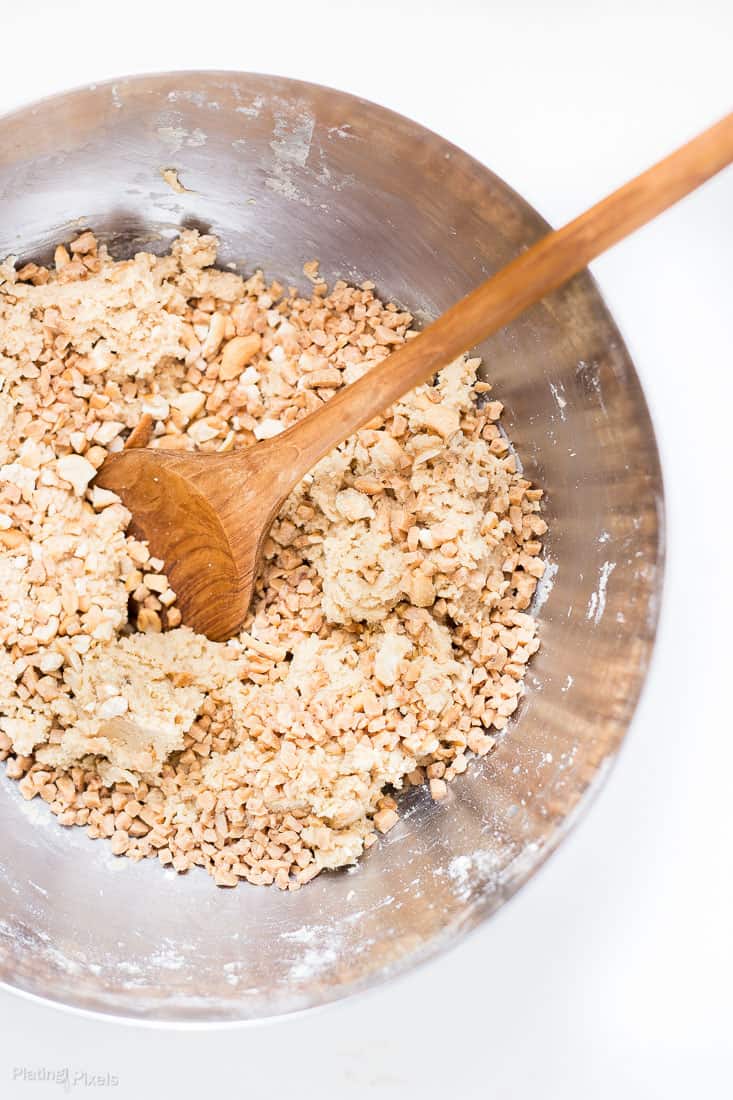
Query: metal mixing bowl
284, 172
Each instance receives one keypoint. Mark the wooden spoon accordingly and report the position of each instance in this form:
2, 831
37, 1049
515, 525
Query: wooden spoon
207, 516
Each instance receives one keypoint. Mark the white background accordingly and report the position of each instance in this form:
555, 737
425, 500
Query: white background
610, 975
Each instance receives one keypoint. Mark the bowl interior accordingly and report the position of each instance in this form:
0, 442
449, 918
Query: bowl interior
283, 172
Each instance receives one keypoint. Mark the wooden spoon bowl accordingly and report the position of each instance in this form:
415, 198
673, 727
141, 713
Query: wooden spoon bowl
207, 516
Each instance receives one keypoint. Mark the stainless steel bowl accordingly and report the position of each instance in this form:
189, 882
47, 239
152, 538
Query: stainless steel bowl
283, 172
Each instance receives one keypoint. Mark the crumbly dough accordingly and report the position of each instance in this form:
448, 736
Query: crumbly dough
389, 631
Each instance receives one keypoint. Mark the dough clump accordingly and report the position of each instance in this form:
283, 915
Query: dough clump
389, 634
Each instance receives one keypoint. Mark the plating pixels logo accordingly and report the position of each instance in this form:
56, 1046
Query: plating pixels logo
66, 1077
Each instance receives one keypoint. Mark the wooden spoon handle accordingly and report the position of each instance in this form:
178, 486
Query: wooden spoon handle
533, 274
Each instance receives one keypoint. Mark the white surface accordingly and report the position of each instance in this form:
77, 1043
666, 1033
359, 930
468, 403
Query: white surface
610, 975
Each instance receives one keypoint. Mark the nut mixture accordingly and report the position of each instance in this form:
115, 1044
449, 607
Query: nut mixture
389, 633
